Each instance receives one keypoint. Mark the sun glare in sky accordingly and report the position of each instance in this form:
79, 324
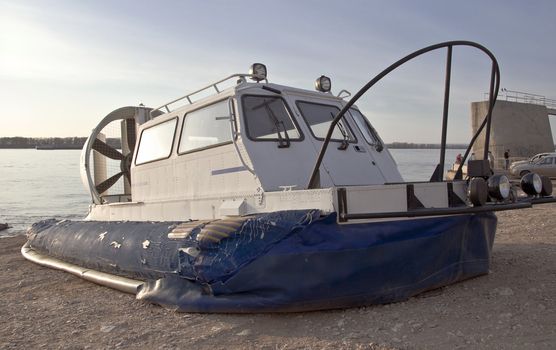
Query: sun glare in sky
64, 65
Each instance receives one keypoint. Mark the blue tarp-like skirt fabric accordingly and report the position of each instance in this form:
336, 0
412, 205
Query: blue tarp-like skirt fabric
279, 262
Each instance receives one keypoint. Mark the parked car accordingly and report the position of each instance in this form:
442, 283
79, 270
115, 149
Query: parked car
542, 164
527, 161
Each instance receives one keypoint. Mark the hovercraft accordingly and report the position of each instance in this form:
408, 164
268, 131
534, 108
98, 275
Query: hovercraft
249, 196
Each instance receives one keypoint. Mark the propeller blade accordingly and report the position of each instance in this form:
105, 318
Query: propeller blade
106, 150
131, 134
106, 184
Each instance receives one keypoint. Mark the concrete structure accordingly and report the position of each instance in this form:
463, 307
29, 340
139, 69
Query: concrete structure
522, 128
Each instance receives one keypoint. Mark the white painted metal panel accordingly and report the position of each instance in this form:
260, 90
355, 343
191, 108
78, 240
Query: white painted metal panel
322, 199
376, 199
215, 207
460, 189
432, 194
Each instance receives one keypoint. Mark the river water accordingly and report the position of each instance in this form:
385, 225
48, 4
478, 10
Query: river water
36, 185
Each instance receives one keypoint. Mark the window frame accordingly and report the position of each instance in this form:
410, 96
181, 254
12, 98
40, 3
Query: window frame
354, 141
372, 130
301, 137
175, 119
209, 146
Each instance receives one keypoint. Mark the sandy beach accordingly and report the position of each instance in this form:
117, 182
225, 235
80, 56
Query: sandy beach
511, 308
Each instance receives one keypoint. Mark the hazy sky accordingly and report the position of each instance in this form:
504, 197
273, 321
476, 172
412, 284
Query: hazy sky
66, 64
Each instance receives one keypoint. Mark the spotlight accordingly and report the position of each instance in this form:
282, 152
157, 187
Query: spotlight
478, 191
258, 72
546, 186
531, 184
323, 84
498, 187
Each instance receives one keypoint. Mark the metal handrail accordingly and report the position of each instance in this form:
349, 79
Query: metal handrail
525, 97
214, 85
494, 87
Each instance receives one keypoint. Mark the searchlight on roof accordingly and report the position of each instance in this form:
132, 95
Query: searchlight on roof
258, 72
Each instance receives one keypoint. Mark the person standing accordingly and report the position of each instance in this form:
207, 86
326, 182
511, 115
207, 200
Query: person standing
491, 160
507, 159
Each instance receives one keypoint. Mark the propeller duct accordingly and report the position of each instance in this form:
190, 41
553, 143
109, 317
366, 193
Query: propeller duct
119, 148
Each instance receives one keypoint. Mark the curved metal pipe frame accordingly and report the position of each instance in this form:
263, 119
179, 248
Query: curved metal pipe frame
126, 285
494, 87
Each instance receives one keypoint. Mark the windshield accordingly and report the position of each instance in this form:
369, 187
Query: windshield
363, 124
537, 157
267, 118
319, 116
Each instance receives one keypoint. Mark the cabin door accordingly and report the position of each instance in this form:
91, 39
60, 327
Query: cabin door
280, 153
347, 161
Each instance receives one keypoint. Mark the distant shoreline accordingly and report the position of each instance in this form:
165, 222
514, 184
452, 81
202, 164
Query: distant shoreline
59, 143
409, 145
49, 143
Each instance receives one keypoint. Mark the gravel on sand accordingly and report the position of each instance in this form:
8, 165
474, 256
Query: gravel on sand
513, 307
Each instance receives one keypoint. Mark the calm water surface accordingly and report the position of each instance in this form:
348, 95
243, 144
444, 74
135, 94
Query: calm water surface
36, 185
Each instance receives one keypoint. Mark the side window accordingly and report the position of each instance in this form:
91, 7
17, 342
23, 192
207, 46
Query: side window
319, 116
156, 142
363, 124
267, 118
546, 160
206, 127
